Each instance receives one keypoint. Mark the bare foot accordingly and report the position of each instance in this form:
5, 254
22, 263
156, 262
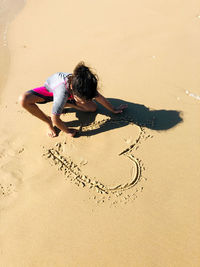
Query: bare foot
51, 131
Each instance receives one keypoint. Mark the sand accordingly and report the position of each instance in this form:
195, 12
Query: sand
125, 192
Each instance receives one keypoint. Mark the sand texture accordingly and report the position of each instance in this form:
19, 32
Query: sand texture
125, 191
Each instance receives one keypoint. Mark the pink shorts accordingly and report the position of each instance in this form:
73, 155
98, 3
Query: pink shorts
46, 95
43, 93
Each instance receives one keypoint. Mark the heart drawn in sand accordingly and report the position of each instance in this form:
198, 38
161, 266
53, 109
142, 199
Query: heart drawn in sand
66, 160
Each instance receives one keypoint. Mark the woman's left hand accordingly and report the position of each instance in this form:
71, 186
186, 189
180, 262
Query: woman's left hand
120, 108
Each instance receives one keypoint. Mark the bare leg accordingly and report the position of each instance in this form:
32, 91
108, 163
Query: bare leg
28, 101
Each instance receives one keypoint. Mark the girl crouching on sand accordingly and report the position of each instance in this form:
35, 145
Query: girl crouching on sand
76, 90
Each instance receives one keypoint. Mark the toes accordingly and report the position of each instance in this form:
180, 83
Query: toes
51, 134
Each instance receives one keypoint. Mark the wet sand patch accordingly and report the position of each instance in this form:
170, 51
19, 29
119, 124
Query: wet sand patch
8, 10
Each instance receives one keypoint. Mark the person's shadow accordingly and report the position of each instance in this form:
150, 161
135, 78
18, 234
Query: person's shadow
135, 113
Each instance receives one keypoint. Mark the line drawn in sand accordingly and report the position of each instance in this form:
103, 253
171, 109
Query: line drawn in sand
119, 193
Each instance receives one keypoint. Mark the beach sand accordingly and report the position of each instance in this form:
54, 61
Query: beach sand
125, 192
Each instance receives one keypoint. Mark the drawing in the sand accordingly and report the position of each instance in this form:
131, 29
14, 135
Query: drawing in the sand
72, 171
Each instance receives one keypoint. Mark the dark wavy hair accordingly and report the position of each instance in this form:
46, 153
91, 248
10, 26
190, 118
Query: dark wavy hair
84, 82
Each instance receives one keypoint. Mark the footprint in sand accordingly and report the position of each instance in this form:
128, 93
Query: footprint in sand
9, 185
10, 171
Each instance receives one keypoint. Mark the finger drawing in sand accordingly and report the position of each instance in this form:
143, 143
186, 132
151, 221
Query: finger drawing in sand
74, 90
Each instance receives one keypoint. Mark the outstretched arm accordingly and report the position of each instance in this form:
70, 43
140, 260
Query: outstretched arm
104, 102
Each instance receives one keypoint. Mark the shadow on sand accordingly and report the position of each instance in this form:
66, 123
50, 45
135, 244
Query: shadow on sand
138, 114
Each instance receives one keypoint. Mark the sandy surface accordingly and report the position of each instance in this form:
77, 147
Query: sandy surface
126, 191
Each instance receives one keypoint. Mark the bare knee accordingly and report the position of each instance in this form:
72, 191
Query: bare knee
24, 100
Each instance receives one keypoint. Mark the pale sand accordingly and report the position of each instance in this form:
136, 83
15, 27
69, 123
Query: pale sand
58, 205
